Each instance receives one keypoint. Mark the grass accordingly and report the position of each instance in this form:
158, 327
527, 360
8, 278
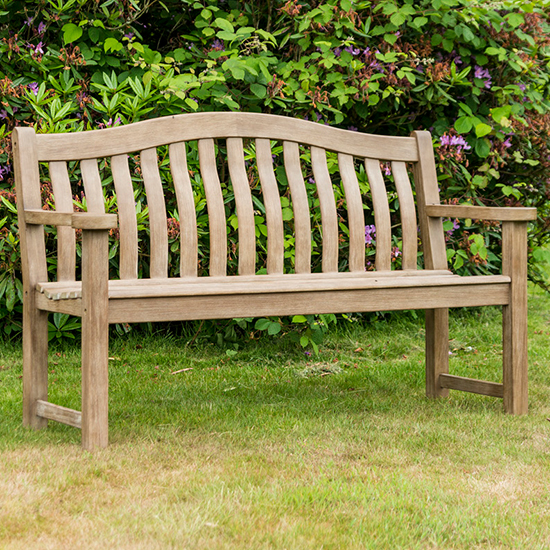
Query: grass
271, 449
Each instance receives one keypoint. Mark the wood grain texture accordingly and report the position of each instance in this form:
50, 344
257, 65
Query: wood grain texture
128, 263
215, 206
34, 270
481, 212
272, 204
356, 216
381, 215
327, 203
64, 415
437, 350
245, 209
158, 229
407, 209
427, 192
191, 126
95, 339
514, 318
93, 188
186, 210
300, 207
482, 387
66, 244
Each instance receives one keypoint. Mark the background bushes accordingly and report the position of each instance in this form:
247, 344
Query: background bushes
475, 73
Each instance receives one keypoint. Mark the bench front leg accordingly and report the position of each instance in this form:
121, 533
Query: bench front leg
437, 350
95, 339
514, 317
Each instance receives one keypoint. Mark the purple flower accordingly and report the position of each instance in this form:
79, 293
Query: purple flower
41, 27
483, 74
4, 171
337, 52
352, 128
456, 225
522, 86
455, 141
118, 121
507, 142
38, 48
352, 50
33, 87
28, 22
370, 234
129, 35
218, 45
3, 114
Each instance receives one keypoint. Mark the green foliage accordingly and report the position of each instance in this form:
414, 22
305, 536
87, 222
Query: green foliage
475, 73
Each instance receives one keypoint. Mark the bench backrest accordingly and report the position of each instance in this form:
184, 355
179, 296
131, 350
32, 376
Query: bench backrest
300, 142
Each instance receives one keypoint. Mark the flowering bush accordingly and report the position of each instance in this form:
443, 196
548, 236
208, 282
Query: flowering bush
475, 73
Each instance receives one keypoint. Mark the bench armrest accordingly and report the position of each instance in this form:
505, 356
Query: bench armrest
491, 213
76, 220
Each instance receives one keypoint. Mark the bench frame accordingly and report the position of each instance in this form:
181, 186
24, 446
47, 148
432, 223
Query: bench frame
100, 302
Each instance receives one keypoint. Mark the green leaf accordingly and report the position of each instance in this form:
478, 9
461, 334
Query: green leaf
483, 129
398, 18
112, 45
304, 341
262, 324
258, 90
224, 24
482, 148
273, 328
299, 319
515, 19
463, 124
71, 33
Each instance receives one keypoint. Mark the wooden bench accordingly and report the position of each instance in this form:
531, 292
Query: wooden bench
100, 301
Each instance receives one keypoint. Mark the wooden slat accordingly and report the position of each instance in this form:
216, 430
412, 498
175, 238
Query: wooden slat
215, 206
327, 203
158, 267
186, 210
268, 283
471, 385
381, 215
92, 186
245, 209
356, 217
64, 415
514, 318
86, 220
191, 126
481, 212
66, 245
48, 217
300, 206
427, 192
296, 303
437, 350
408, 215
126, 216
272, 203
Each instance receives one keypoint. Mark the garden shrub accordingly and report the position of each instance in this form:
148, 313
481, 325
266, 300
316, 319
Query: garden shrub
475, 73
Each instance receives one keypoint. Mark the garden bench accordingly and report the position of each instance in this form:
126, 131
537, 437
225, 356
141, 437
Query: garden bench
342, 285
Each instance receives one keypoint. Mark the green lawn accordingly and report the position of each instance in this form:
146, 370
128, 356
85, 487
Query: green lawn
273, 449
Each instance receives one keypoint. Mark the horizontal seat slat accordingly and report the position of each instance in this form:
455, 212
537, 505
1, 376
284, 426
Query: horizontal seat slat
264, 284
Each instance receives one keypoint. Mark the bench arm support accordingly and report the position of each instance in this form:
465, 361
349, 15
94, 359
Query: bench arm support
76, 220
491, 213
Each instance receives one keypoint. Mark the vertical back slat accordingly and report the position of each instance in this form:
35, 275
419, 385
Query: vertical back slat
427, 192
272, 203
329, 219
66, 246
381, 215
356, 218
127, 219
245, 209
186, 210
92, 186
408, 214
300, 205
215, 206
158, 268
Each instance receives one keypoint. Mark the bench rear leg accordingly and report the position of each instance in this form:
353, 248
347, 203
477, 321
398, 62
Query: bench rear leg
437, 350
35, 363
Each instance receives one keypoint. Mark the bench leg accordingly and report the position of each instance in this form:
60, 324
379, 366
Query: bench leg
437, 350
514, 319
95, 340
35, 363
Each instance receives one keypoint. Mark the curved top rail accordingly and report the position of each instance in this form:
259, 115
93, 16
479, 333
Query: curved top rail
191, 126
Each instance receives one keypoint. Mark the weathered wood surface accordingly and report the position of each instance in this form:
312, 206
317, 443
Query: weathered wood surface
343, 286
